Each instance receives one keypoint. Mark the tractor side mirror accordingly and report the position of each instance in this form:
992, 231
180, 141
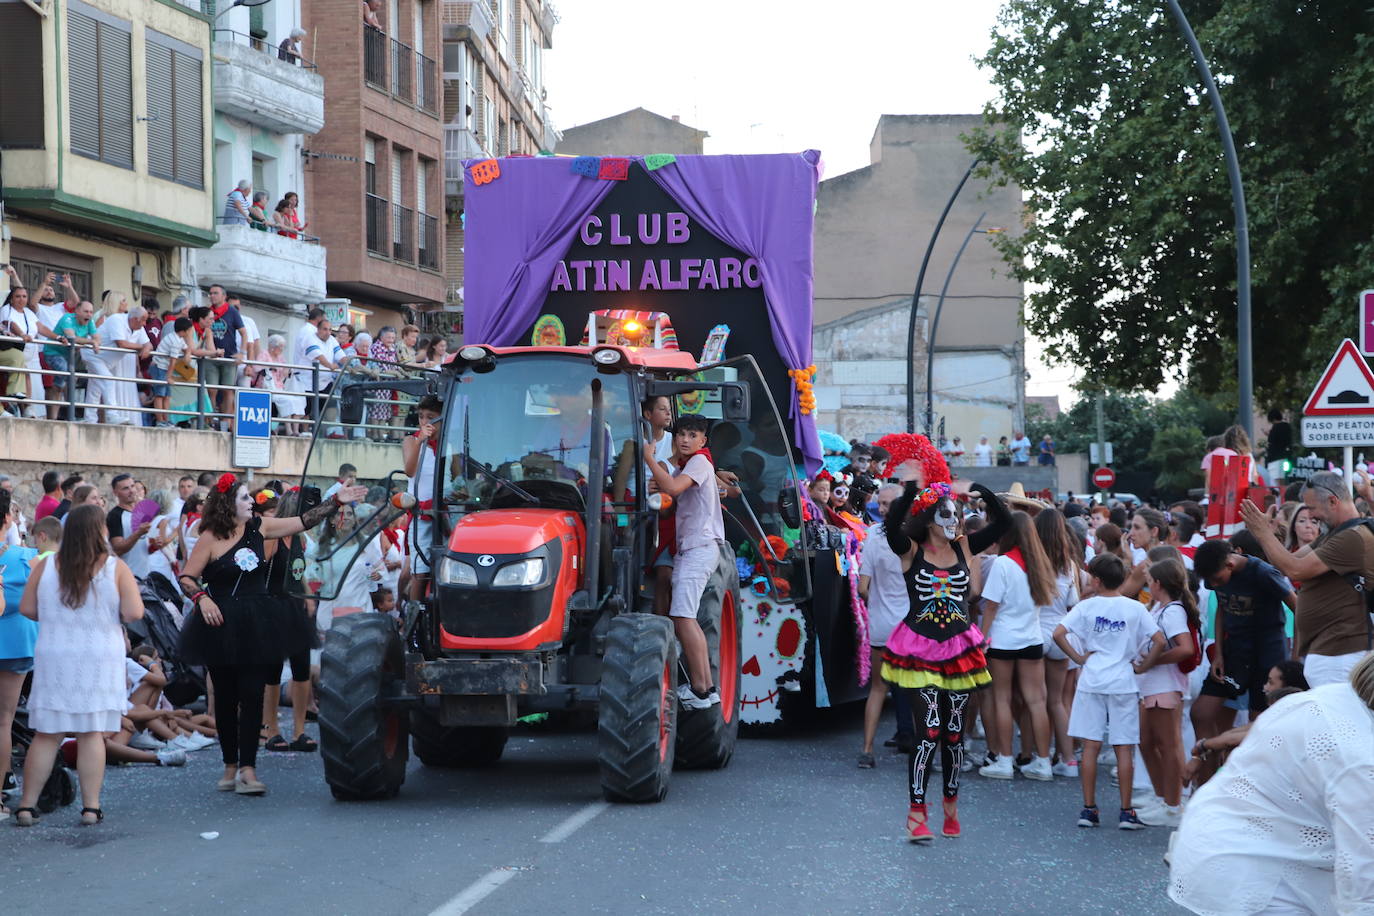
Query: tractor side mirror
789, 506
734, 401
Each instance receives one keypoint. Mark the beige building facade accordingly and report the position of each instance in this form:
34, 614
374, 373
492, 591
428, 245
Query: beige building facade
105, 165
872, 227
633, 133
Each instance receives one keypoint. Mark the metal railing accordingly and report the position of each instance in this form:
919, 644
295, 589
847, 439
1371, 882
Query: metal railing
427, 81
269, 229
402, 71
377, 216
268, 50
374, 56
75, 404
403, 229
427, 247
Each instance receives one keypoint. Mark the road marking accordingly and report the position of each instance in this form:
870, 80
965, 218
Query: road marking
476, 892
574, 823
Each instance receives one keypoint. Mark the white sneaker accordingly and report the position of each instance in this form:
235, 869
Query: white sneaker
180, 743
145, 742
1039, 768
201, 742
998, 769
688, 698
1067, 770
1147, 804
1164, 816
171, 757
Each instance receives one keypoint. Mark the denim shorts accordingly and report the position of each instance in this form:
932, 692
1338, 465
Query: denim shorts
158, 391
17, 665
57, 362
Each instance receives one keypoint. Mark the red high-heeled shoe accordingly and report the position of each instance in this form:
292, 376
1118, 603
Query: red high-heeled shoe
918, 831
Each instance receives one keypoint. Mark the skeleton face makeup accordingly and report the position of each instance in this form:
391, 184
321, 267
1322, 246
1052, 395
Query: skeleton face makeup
947, 519
839, 495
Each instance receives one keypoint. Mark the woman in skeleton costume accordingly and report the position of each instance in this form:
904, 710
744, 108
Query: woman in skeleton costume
935, 655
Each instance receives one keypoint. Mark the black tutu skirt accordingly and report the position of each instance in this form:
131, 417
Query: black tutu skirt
257, 630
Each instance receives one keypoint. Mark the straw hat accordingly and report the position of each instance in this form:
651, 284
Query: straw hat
1016, 498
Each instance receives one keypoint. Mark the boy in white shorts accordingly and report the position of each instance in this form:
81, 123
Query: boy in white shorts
700, 532
1113, 630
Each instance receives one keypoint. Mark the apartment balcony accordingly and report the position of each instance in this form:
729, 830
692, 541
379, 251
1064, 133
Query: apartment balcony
251, 83
264, 265
473, 14
548, 18
460, 143
551, 134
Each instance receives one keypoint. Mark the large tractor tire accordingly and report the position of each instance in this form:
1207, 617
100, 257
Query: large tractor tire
706, 737
456, 747
637, 725
364, 743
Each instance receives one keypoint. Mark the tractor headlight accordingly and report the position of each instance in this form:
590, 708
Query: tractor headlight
523, 574
455, 572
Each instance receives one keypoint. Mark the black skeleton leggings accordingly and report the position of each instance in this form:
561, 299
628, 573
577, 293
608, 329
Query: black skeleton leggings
938, 720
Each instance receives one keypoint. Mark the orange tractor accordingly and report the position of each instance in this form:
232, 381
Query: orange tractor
539, 529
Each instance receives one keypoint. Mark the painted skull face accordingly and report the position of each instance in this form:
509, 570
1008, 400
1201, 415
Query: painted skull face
947, 519
773, 645
840, 495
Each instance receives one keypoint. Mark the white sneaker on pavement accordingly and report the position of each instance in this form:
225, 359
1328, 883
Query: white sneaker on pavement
1067, 770
171, 757
201, 742
1165, 816
1038, 768
688, 698
145, 742
998, 769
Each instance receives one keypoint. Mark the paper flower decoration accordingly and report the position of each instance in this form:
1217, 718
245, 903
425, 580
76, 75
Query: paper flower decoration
930, 496
245, 559
801, 380
226, 482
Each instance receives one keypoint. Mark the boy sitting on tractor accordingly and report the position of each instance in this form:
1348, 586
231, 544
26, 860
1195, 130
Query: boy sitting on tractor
700, 532
420, 452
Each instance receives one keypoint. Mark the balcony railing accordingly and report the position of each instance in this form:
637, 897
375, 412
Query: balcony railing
377, 224
374, 56
426, 79
428, 246
403, 234
402, 71
460, 143
262, 46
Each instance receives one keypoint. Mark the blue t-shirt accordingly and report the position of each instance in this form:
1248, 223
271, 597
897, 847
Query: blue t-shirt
17, 632
225, 330
1251, 603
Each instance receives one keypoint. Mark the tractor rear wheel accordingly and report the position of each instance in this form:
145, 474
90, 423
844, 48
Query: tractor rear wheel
637, 725
706, 737
455, 746
363, 742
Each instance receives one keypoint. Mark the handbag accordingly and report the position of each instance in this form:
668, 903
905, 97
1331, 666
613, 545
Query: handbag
183, 370
7, 328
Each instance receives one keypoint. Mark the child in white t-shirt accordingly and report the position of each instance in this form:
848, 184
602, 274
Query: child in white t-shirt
1113, 630
1162, 686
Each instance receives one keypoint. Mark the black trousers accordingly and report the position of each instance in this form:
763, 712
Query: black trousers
938, 720
238, 709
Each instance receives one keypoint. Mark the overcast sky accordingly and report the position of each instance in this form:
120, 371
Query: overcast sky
769, 76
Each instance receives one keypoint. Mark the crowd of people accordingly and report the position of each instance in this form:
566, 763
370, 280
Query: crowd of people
1017, 451
1122, 638
230, 566
142, 367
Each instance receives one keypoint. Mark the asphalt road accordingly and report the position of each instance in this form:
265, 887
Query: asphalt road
791, 826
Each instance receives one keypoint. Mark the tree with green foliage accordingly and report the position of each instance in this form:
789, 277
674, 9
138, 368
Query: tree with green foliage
1175, 453
1129, 245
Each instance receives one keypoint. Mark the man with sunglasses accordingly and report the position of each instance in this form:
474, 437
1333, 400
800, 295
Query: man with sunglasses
1333, 629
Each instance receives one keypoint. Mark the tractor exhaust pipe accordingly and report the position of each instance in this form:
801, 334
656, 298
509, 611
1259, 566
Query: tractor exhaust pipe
596, 483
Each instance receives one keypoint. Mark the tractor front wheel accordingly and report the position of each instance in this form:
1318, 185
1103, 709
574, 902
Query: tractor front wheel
362, 741
637, 724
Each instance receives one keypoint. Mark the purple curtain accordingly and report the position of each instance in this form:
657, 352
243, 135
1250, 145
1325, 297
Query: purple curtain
521, 224
764, 206
518, 227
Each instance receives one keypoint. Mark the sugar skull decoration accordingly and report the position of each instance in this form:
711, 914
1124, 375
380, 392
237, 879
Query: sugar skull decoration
773, 646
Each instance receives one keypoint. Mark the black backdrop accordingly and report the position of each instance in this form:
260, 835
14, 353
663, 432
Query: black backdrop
693, 312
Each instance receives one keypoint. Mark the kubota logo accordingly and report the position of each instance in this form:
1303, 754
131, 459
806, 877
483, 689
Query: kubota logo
486, 559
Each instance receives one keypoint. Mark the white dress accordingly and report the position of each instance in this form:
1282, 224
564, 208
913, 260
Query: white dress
1286, 824
78, 662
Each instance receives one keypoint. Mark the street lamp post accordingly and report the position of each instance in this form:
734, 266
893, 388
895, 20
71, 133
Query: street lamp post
1244, 363
916, 304
935, 321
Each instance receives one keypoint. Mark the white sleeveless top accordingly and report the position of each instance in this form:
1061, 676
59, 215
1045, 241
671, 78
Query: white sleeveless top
78, 661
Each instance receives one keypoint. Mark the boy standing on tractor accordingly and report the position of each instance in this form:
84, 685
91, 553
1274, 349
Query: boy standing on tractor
700, 532
420, 451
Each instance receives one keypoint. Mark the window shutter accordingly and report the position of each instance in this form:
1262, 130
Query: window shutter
83, 83
163, 116
190, 126
21, 100
116, 96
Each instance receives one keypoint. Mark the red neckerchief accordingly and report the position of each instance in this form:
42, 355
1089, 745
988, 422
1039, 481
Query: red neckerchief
391, 537
1015, 556
682, 462
432, 442
219, 312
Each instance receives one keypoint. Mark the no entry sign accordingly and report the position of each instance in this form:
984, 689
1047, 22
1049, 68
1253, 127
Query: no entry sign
1103, 478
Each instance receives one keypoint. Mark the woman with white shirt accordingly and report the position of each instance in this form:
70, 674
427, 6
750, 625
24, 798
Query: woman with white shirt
351, 587
1284, 826
1020, 581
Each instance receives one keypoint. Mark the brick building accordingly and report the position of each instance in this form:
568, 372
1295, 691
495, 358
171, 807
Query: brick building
373, 171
